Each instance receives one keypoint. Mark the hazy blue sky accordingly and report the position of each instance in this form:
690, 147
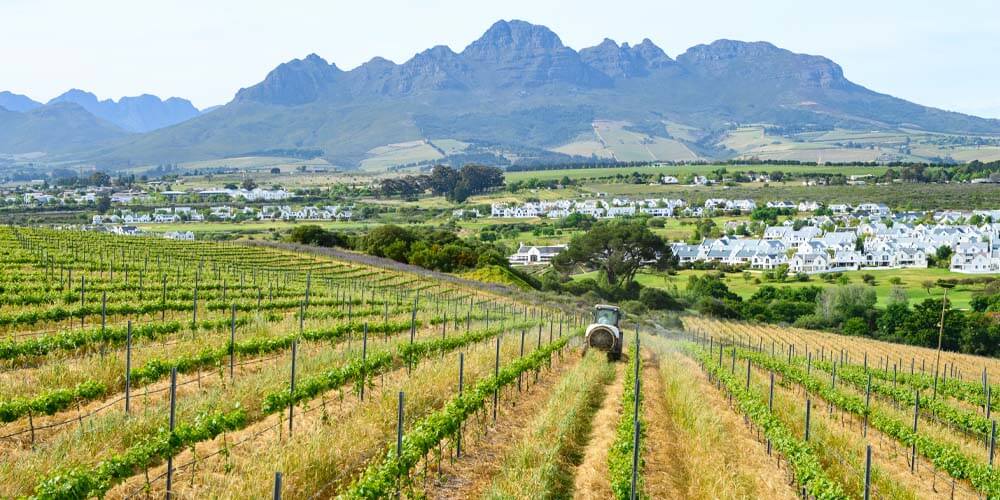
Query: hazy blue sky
939, 53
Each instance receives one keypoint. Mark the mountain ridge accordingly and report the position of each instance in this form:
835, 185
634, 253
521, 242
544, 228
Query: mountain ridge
142, 113
519, 86
17, 102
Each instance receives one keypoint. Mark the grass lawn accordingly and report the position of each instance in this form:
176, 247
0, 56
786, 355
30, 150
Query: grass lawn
680, 229
911, 281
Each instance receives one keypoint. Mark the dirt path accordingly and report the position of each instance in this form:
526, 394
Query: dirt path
663, 458
469, 476
591, 477
745, 465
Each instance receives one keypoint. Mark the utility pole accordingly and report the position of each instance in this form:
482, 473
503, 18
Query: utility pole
944, 305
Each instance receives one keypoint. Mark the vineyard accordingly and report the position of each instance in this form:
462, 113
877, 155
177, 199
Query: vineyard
145, 368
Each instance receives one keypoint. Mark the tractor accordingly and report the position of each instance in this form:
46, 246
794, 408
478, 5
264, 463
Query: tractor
605, 332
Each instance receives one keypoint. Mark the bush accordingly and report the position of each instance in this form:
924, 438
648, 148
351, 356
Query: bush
634, 307
655, 298
581, 287
717, 308
491, 258
856, 327
810, 321
311, 234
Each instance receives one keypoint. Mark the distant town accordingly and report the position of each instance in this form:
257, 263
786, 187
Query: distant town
846, 238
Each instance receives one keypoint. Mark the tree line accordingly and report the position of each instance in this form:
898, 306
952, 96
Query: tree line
851, 309
455, 185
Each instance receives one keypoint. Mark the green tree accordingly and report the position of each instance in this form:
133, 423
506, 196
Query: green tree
443, 179
312, 234
460, 193
618, 249
103, 203
709, 285
856, 327
481, 177
99, 179
921, 326
943, 256
898, 295
655, 298
891, 320
838, 304
390, 241
577, 220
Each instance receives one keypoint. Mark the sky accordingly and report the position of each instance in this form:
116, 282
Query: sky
932, 52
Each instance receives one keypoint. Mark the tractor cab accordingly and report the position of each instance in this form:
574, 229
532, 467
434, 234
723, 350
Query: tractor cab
607, 315
605, 332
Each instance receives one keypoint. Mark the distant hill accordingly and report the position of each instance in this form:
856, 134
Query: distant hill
142, 113
518, 94
54, 128
17, 102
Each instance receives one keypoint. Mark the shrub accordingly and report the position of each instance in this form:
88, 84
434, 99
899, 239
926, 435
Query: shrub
810, 321
655, 298
717, 308
311, 234
634, 307
856, 327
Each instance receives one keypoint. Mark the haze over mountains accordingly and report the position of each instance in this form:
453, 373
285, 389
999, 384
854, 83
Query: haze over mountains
517, 88
142, 113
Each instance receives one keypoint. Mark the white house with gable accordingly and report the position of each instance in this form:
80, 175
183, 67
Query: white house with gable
530, 255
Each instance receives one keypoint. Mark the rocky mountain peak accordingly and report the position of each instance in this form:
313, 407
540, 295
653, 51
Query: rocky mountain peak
295, 82
732, 59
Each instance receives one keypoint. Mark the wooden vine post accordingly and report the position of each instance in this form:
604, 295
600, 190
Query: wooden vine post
173, 415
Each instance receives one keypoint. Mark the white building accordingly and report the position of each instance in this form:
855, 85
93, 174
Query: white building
179, 235
530, 255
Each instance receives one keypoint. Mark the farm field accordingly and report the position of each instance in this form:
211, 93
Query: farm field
129, 368
383, 157
862, 395
611, 139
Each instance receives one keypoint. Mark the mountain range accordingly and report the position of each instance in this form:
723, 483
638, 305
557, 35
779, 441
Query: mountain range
517, 89
78, 122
